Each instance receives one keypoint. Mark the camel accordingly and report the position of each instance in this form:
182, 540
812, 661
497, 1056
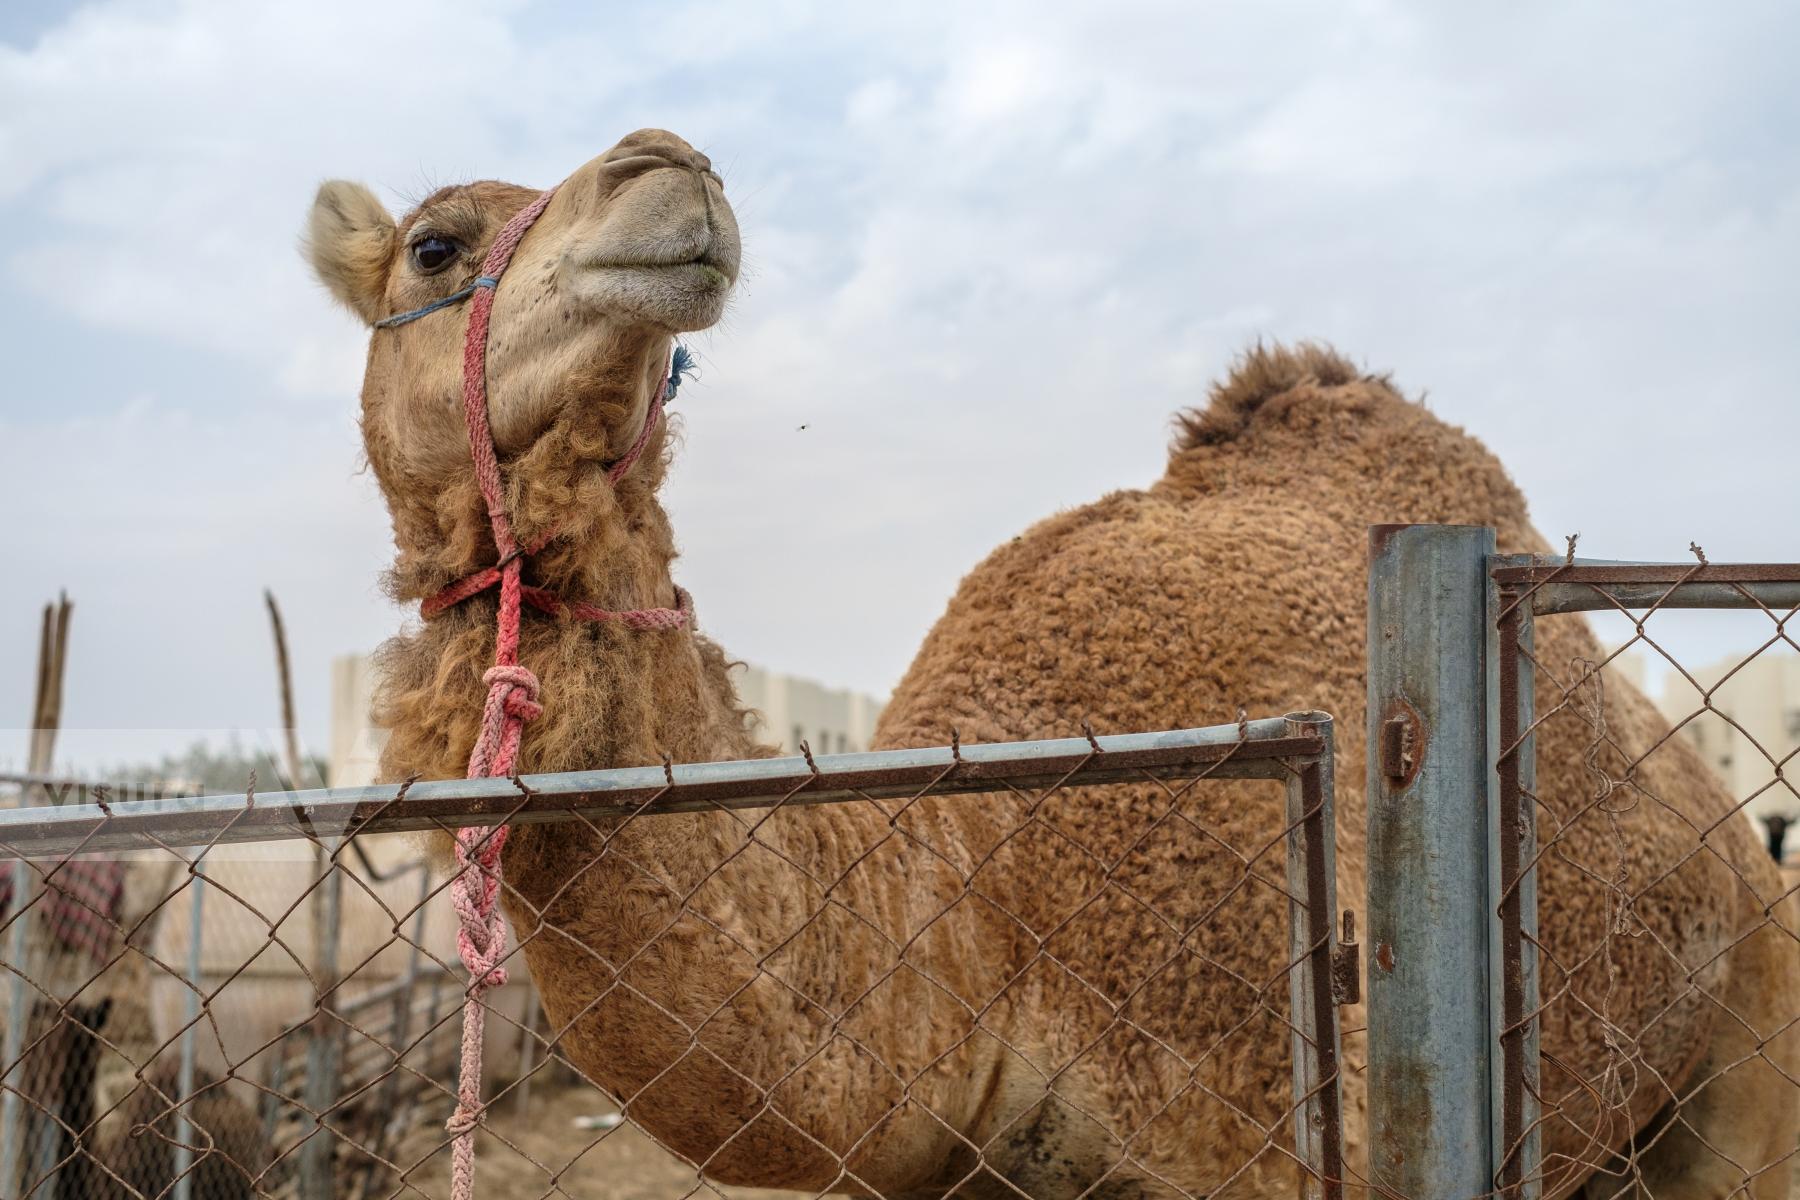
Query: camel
56, 1074
1240, 579
127, 1150
949, 999
231, 1157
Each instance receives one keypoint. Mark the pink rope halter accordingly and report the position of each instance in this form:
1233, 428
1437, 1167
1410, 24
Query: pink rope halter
513, 691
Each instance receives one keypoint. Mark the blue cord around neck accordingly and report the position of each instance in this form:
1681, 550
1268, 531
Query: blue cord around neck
682, 363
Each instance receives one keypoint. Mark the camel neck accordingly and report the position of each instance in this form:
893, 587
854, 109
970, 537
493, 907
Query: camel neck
613, 694
581, 499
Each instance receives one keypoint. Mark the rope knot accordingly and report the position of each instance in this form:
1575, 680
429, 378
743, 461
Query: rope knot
512, 700
518, 691
481, 944
464, 1121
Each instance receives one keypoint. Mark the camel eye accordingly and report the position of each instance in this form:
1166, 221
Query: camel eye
432, 254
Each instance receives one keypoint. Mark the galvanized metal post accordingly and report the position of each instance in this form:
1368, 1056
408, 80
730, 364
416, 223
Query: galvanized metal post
45, 1150
274, 1100
1429, 1037
12, 1116
184, 1130
320, 1090
1312, 918
401, 1024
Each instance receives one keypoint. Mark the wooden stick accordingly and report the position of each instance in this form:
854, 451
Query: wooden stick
285, 677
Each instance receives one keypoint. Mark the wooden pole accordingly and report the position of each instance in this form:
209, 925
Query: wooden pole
46, 708
285, 679
40, 696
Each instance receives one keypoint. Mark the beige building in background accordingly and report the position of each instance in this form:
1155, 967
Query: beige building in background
792, 710
828, 720
355, 743
1753, 725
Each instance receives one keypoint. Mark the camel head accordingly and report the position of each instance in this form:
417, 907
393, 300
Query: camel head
637, 245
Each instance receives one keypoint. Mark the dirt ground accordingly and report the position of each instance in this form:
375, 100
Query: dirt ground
618, 1164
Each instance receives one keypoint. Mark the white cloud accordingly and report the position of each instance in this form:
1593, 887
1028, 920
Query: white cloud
873, 102
990, 250
164, 527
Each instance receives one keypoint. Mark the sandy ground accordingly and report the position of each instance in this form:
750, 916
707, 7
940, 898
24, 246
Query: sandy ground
623, 1165
618, 1164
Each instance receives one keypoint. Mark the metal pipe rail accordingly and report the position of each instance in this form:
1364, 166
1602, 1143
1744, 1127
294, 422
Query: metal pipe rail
1600, 585
1248, 750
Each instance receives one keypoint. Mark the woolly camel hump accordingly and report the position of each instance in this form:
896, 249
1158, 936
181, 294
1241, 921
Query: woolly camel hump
1239, 580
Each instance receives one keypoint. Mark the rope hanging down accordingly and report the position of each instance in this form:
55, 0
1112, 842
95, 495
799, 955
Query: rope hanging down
513, 691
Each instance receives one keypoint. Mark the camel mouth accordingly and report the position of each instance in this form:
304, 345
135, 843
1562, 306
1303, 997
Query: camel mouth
682, 297
704, 251
700, 268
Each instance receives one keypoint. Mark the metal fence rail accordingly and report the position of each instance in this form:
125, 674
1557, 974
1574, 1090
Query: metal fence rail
1253, 750
322, 1092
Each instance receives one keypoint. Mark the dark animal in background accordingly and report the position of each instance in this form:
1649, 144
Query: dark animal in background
231, 1154
1778, 831
58, 1074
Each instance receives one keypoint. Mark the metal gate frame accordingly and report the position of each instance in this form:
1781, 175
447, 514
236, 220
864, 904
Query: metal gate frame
1523, 589
1453, 1001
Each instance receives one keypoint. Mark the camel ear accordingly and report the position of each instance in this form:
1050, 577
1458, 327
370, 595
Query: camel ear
350, 242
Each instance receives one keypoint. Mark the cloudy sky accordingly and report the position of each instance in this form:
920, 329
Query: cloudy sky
990, 249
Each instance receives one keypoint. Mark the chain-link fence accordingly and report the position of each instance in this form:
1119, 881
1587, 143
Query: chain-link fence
1091, 967
817, 975
1649, 969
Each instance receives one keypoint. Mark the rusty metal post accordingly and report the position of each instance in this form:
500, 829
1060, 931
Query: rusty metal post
1312, 958
1512, 839
1429, 1038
